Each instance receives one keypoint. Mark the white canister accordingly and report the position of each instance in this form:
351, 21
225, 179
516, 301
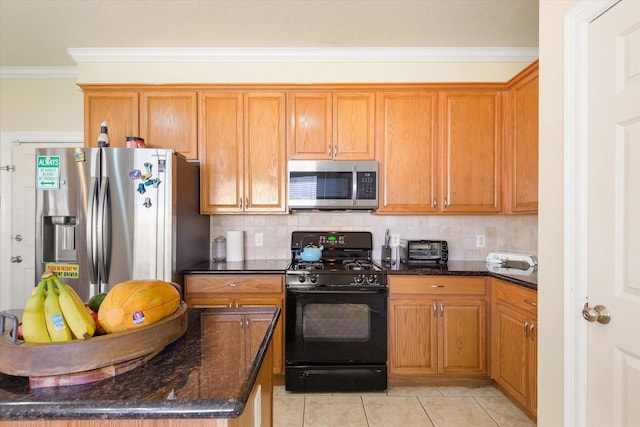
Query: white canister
235, 245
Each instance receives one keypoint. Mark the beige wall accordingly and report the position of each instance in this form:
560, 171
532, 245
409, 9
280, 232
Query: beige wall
33, 105
297, 72
550, 218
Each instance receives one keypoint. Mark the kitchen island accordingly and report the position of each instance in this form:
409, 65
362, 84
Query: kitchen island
217, 374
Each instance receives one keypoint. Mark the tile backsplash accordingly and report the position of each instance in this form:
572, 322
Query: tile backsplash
505, 233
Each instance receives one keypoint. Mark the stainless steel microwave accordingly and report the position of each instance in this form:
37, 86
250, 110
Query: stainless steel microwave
333, 185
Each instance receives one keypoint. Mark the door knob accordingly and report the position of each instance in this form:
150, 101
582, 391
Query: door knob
18, 238
599, 313
16, 259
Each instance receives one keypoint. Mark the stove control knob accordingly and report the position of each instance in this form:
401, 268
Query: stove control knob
360, 279
301, 278
314, 278
371, 279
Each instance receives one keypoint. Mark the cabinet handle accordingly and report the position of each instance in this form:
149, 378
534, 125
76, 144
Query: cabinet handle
241, 203
246, 202
531, 331
533, 303
526, 326
241, 324
329, 151
446, 202
335, 151
435, 309
230, 304
441, 309
435, 203
437, 286
232, 285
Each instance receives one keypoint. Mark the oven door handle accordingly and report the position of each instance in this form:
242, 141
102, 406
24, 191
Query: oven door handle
359, 292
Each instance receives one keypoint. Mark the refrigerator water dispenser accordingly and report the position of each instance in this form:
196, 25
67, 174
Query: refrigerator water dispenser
59, 238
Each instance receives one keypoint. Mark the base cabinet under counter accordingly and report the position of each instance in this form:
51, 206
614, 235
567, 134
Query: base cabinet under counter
515, 343
240, 290
438, 330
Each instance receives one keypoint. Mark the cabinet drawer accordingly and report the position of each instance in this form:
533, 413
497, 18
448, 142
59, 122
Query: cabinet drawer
235, 284
516, 296
437, 285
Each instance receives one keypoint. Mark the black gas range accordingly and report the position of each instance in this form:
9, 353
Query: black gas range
346, 261
336, 315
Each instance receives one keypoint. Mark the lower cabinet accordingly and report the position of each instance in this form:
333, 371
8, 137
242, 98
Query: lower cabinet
514, 343
242, 290
437, 326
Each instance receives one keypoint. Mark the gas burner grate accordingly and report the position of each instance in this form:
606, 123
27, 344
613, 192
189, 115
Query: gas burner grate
356, 265
309, 265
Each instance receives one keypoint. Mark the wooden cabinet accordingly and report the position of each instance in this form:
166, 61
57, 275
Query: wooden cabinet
170, 120
242, 152
241, 290
328, 125
471, 137
440, 151
437, 326
521, 153
514, 343
118, 108
407, 151
164, 118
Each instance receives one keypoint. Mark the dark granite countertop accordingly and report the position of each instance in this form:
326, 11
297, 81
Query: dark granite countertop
171, 385
253, 266
453, 268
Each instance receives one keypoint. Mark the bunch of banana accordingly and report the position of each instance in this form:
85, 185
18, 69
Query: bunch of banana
75, 312
34, 326
55, 313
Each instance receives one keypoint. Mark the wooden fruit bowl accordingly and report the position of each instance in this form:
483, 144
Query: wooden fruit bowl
96, 358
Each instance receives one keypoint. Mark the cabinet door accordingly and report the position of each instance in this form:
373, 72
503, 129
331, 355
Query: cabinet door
462, 327
222, 330
310, 125
353, 125
118, 108
523, 145
264, 152
412, 336
471, 135
510, 362
170, 120
221, 152
277, 342
406, 151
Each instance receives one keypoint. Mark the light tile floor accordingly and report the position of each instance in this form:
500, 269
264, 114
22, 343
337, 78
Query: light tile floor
398, 406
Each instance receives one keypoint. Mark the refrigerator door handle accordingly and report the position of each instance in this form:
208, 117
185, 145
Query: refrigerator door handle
92, 230
104, 234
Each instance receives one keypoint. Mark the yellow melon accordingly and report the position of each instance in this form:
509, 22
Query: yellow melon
136, 303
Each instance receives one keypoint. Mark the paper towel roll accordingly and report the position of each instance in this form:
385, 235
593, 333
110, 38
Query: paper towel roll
235, 245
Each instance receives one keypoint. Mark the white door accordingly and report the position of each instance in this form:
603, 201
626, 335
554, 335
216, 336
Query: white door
22, 199
613, 219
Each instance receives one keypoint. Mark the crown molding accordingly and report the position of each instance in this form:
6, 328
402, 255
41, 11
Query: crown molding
457, 54
39, 72
409, 54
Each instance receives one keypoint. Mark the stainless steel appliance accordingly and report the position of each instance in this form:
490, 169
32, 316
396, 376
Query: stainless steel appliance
336, 315
333, 185
106, 215
424, 252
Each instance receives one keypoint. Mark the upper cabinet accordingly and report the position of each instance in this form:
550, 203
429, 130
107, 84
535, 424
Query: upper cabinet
439, 151
407, 151
164, 118
118, 108
328, 125
242, 152
521, 154
471, 135
170, 120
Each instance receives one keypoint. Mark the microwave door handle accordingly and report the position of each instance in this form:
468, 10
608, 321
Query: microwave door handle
354, 186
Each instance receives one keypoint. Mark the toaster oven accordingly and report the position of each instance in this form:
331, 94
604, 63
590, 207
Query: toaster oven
424, 251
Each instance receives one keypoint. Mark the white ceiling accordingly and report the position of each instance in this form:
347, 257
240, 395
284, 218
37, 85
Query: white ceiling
39, 32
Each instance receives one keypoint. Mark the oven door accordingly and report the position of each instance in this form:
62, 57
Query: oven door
328, 326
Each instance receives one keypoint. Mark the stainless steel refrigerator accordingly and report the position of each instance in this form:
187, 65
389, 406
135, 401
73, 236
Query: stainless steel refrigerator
106, 215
